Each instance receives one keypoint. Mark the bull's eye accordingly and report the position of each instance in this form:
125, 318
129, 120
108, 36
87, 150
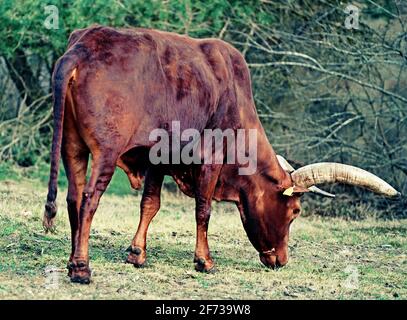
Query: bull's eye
296, 211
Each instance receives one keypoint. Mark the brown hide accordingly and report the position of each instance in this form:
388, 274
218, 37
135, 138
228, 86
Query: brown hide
119, 85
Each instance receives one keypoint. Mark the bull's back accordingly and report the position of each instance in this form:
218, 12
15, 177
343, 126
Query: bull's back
135, 80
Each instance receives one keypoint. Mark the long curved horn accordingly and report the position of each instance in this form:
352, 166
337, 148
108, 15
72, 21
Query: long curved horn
289, 168
329, 172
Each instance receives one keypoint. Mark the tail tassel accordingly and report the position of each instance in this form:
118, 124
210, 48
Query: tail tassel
49, 216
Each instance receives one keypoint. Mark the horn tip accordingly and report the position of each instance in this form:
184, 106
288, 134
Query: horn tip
394, 194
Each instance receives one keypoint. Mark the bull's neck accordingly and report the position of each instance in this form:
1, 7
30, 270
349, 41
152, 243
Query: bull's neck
267, 163
266, 157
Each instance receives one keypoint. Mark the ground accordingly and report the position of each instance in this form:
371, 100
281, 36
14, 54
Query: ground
331, 258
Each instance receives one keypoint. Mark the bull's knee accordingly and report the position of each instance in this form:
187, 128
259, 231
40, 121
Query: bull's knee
87, 194
150, 204
86, 203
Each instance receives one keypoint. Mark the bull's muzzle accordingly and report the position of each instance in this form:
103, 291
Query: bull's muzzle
272, 259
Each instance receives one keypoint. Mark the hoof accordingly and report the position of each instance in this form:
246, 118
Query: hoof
81, 280
137, 257
206, 266
70, 266
79, 272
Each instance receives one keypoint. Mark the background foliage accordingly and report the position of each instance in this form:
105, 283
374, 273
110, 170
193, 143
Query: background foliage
323, 92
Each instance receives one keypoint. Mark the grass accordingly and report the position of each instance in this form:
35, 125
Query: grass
331, 258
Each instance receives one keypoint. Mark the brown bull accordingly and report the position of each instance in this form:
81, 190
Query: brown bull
113, 87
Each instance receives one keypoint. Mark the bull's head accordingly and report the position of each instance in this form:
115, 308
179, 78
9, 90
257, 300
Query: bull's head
269, 210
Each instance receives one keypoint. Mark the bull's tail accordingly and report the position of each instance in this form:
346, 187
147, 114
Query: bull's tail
61, 77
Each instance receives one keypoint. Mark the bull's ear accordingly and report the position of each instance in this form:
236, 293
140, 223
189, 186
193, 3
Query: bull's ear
294, 190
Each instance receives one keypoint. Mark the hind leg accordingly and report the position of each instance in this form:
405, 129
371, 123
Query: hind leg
103, 166
75, 157
150, 204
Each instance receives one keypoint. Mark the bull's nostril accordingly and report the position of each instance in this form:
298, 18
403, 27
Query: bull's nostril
281, 263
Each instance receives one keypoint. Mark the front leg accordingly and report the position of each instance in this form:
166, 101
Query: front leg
202, 258
150, 204
205, 181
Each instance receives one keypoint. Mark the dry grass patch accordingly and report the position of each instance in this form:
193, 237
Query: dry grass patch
330, 258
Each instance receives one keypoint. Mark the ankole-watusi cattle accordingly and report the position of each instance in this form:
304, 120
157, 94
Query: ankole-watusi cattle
112, 87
